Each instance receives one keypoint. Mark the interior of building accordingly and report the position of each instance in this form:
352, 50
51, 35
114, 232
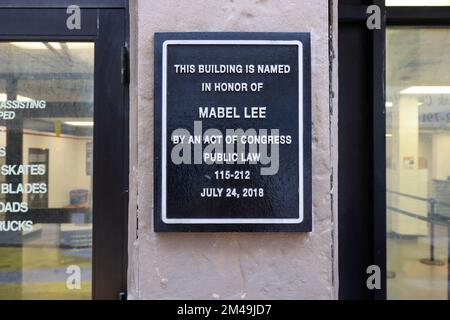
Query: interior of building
418, 169
55, 134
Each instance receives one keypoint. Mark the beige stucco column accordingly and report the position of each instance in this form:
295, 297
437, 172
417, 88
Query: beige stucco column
232, 265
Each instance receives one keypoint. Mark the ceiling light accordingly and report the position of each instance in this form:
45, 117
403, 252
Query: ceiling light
389, 104
22, 98
4, 97
37, 45
29, 45
388, 135
80, 123
55, 45
80, 45
427, 90
417, 3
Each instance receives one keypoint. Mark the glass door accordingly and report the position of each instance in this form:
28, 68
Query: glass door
46, 115
63, 155
418, 161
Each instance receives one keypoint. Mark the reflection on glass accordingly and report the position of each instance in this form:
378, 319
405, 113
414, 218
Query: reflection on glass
418, 162
417, 3
46, 132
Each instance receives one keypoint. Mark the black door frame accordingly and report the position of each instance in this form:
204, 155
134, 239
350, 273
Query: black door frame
104, 22
423, 17
361, 150
362, 211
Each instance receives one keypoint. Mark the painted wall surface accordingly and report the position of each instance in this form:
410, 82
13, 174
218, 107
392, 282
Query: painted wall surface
67, 164
230, 265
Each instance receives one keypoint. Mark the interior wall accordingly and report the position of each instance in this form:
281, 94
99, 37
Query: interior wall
441, 156
67, 164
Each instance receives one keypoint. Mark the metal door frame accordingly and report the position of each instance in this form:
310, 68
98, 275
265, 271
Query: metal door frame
367, 245
106, 23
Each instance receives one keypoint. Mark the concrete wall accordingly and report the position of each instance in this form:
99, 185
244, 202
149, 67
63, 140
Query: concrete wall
230, 266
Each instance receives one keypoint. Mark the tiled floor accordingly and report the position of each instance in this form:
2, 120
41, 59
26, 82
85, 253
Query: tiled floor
413, 279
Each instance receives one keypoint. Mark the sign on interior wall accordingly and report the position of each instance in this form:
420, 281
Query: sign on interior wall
232, 132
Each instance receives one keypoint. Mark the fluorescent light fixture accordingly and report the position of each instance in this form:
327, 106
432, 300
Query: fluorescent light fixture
22, 98
389, 104
30, 45
37, 45
80, 123
388, 135
427, 90
417, 3
55, 45
4, 97
79, 45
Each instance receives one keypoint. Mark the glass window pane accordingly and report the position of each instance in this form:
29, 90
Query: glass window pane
46, 134
418, 166
417, 3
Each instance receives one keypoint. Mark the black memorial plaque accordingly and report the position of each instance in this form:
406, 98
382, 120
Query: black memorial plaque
232, 132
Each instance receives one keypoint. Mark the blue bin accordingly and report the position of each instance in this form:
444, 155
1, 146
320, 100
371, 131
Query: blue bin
78, 197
